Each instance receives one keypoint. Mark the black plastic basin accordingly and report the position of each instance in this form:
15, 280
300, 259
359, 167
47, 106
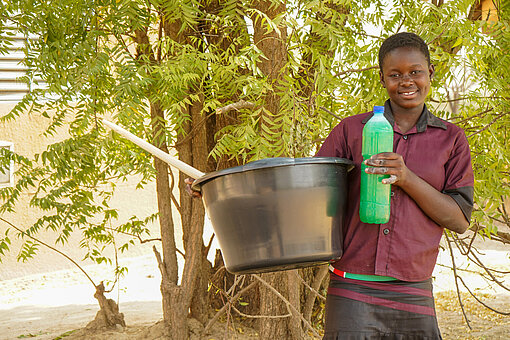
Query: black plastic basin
277, 213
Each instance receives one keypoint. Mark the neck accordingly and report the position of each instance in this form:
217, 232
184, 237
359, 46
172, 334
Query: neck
406, 118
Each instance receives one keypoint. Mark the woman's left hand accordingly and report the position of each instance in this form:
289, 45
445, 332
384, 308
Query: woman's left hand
388, 163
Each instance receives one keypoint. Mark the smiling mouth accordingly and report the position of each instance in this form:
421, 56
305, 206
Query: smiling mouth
408, 94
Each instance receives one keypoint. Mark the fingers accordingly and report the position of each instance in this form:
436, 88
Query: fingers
387, 163
382, 171
377, 170
382, 163
375, 162
392, 179
383, 159
385, 156
189, 189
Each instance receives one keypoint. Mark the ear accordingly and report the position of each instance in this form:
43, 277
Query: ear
432, 71
381, 79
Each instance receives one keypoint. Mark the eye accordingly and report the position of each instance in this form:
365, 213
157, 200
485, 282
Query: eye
395, 75
416, 72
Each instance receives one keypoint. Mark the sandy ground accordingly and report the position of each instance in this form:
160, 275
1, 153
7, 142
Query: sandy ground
46, 306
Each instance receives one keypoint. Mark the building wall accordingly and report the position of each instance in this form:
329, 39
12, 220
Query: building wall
26, 134
489, 11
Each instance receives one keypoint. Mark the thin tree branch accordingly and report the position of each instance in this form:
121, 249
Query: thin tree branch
456, 280
471, 117
402, 23
50, 247
480, 301
193, 131
490, 124
208, 247
230, 302
242, 104
160, 35
133, 235
331, 113
161, 265
313, 294
438, 36
352, 70
317, 278
488, 270
143, 240
475, 233
172, 184
117, 275
123, 43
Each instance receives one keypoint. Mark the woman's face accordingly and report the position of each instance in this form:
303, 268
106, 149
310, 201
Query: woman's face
406, 76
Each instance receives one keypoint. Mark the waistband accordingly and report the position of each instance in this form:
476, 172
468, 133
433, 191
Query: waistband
361, 277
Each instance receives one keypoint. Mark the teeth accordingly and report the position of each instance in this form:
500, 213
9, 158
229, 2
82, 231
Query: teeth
408, 93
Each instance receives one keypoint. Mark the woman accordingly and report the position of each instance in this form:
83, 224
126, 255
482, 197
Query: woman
381, 287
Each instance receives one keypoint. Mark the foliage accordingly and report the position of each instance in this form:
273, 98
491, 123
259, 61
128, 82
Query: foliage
114, 59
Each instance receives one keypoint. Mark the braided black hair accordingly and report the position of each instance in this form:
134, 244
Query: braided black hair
403, 39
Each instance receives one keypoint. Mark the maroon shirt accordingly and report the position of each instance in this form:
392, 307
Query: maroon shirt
407, 246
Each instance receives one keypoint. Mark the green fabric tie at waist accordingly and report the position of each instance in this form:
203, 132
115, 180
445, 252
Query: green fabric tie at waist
361, 277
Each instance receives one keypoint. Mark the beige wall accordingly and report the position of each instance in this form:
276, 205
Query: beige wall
26, 134
489, 11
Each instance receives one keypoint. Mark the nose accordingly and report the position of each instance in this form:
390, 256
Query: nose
406, 79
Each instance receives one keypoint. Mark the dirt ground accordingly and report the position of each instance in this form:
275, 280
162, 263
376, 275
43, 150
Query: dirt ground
485, 324
58, 305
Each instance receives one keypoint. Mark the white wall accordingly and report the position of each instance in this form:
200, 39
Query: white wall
26, 134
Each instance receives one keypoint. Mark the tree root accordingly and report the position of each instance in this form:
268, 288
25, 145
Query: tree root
108, 317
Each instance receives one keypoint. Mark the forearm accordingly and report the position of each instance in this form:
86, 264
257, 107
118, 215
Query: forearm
440, 207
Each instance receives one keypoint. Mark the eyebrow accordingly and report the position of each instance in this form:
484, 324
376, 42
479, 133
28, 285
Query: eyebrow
414, 65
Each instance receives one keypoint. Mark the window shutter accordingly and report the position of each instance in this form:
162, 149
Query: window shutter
6, 176
12, 66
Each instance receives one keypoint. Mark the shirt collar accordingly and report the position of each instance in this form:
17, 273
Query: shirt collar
426, 118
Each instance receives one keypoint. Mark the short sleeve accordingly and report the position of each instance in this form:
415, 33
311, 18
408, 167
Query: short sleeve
459, 176
335, 144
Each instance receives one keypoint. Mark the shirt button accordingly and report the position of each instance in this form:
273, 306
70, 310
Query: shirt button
392, 193
405, 137
386, 231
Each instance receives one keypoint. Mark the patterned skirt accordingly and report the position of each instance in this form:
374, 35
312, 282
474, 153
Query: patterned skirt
390, 310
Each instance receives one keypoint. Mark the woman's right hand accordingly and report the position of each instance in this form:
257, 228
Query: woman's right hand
189, 190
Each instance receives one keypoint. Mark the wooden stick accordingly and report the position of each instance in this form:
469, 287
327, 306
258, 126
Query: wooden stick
185, 168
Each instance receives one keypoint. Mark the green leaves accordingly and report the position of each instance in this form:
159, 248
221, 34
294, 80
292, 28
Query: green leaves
4, 245
28, 250
116, 59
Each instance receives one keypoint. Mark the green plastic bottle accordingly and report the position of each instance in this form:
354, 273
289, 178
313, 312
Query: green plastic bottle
374, 205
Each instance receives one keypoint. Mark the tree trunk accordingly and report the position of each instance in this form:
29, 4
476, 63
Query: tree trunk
176, 298
193, 150
274, 47
174, 308
295, 300
274, 326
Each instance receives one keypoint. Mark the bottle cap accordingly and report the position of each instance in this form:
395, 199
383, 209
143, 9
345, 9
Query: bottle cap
378, 109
